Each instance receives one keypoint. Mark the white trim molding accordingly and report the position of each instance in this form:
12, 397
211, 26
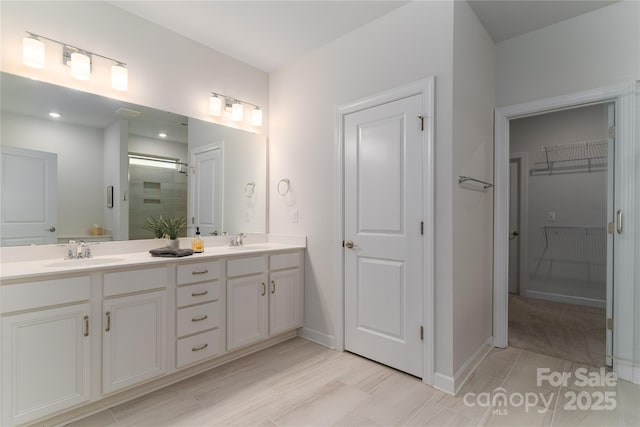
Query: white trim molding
623, 96
318, 337
453, 384
424, 87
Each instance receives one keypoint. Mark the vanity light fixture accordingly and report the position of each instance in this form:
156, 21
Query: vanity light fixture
256, 117
237, 111
215, 105
55, 115
33, 52
79, 60
235, 107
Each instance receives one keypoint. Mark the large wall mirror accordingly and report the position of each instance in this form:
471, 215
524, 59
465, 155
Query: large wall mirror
103, 166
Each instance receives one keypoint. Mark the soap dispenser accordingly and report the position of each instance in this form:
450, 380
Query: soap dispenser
197, 244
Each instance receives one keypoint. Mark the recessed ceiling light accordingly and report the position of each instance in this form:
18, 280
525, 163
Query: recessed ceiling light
55, 115
162, 135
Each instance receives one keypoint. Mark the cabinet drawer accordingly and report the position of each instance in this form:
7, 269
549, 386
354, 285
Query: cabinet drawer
24, 296
198, 318
199, 272
195, 294
280, 261
125, 282
242, 266
198, 347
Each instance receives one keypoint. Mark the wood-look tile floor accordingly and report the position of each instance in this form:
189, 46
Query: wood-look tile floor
299, 383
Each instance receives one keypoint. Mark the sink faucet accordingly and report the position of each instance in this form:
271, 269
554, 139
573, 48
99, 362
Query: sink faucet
77, 250
237, 241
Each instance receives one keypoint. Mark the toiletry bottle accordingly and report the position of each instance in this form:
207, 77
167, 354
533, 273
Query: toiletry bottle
197, 244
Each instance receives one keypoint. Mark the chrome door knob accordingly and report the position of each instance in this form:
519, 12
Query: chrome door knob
349, 244
52, 229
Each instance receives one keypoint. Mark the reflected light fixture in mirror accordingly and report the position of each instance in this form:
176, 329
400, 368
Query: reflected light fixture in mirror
33, 52
119, 77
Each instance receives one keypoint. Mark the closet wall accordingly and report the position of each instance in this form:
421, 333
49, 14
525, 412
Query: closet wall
565, 236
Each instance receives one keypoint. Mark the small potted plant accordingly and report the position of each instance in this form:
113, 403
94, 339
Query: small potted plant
172, 227
166, 227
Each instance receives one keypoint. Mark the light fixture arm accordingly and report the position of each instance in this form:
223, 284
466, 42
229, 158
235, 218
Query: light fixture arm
85, 51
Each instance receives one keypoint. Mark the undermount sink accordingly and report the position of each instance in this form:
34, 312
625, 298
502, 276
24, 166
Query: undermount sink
82, 262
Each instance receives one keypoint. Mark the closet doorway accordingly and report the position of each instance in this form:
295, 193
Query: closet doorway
561, 194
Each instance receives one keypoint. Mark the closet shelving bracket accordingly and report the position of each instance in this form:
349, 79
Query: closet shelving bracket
582, 156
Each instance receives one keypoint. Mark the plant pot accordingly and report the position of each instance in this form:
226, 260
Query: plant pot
174, 243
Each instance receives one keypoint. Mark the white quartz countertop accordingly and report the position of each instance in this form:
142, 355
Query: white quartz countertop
21, 270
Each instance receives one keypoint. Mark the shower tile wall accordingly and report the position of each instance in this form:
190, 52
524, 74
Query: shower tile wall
153, 192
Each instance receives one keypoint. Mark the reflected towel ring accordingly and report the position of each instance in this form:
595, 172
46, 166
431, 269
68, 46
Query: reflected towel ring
284, 189
250, 189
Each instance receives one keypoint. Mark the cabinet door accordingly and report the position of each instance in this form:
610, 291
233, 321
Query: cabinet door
285, 301
246, 310
45, 362
134, 337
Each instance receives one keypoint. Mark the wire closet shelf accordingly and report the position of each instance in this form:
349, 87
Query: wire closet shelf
582, 156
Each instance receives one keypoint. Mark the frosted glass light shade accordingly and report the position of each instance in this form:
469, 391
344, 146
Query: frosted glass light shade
119, 77
32, 52
256, 117
237, 112
215, 105
80, 66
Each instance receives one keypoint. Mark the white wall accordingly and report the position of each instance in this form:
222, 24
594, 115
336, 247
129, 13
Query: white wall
593, 50
79, 148
473, 104
578, 199
166, 71
410, 43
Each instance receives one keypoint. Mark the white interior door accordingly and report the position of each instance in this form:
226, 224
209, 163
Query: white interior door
514, 226
28, 196
206, 189
383, 253
610, 235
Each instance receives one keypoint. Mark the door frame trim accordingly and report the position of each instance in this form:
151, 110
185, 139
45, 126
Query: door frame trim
425, 88
624, 98
523, 158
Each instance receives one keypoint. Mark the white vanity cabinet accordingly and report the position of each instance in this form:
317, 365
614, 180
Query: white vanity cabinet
264, 297
199, 313
247, 301
285, 292
46, 351
134, 327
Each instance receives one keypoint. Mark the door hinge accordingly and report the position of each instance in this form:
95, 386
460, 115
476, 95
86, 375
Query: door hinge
421, 120
421, 332
612, 132
343, 243
610, 324
422, 228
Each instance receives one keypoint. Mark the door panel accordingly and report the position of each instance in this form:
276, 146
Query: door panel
514, 226
29, 189
383, 211
206, 183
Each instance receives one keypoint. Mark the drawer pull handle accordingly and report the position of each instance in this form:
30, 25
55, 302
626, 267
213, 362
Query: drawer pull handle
200, 347
199, 294
264, 289
108, 321
273, 284
200, 318
86, 326
195, 273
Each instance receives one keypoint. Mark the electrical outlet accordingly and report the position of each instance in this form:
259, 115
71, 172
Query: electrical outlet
551, 216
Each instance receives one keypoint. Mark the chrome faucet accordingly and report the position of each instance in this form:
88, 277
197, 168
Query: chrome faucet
237, 241
77, 250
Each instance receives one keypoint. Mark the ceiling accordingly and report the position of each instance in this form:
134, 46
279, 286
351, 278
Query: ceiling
268, 34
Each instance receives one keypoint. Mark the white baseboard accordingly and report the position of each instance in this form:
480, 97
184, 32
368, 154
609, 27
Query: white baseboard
452, 385
569, 299
318, 337
626, 370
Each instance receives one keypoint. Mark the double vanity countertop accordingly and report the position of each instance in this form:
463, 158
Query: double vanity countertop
19, 270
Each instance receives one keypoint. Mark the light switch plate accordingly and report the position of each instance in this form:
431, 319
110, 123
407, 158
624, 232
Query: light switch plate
293, 215
551, 216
